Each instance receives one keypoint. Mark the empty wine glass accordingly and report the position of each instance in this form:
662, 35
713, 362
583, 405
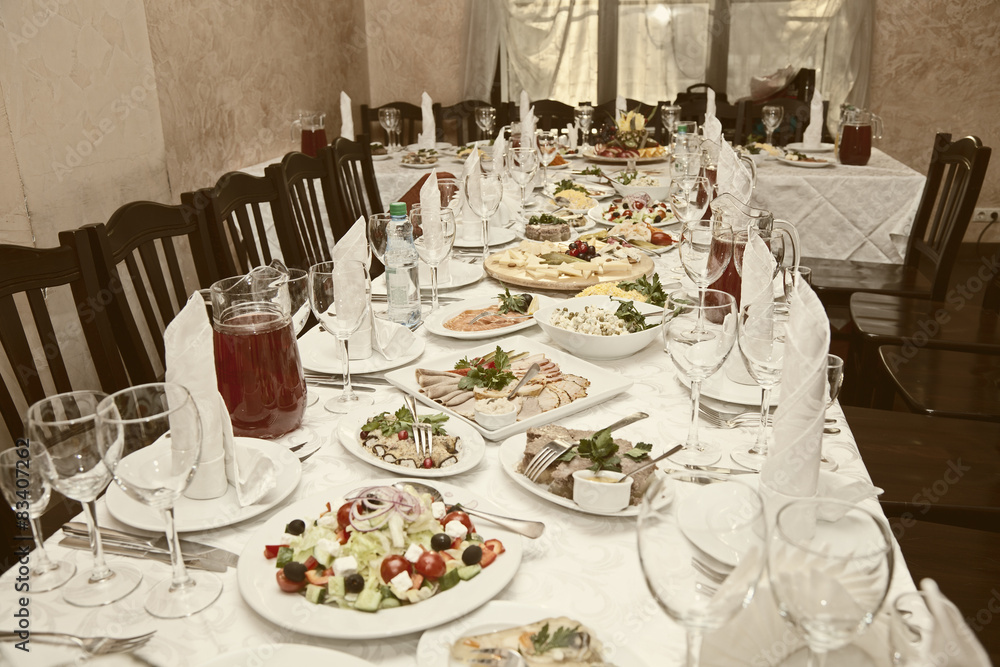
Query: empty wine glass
485, 118
150, 438
27, 491
706, 247
339, 293
548, 146
435, 243
689, 197
834, 381
385, 120
771, 116
686, 157
64, 430
698, 334
484, 192
669, 115
792, 276
762, 333
584, 117
702, 548
522, 162
830, 564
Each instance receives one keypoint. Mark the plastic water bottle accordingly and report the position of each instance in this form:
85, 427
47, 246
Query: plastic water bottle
402, 274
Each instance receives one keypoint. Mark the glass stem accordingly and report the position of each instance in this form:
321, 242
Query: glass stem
180, 578
42, 562
693, 655
692, 438
700, 327
486, 238
348, 394
524, 204
434, 286
760, 447
101, 570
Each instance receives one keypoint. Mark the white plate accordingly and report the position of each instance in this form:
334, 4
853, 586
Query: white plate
435, 321
597, 215
473, 447
511, 453
597, 192
603, 383
379, 158
192, 515
434, 649
438, 146
564, 165
320, 352
697, 515
806, 165
287, 654
255, 575
720, 387
410, 165
802, 148
498, 236
589, 154
460, 275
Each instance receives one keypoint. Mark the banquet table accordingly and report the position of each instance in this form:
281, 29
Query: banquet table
584, 566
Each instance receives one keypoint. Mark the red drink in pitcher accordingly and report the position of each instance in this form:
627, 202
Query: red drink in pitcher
730, 281
259, 374
855, 144
313, 141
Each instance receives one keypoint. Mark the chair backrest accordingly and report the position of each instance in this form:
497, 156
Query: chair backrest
410, 120
458, 122
356, 185
34, 306
307, 191
954, 179
694, 101
150, 258
551, 114
793, 123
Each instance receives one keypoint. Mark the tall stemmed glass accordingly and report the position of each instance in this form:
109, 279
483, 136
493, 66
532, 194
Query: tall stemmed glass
62, 430
385, 120
548, 146
689, 197
484, 192
762, 334
378, 223
27, 491
830, 564
522, 162
434, 248
771, 116
485, 118
706, 247
714, 532
339, 293
698, 334
584, 117
150, 437
834, 381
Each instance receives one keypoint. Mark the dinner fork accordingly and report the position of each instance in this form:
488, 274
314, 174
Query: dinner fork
720, 421
92, 645
499, 657
422, 434
557, 447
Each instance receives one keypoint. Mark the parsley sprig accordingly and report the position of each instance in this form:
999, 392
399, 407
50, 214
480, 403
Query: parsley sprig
633, 319
602, 451
389, 423
542, 642
568, 184
517, 303
490, 372
651, 289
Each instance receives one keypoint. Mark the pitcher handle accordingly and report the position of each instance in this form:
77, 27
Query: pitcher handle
876, 127
753, 169
296, 125
793, 235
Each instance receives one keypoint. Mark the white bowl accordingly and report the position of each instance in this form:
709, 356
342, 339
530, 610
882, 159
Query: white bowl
603, 496
592, 346
656, 192
495, 422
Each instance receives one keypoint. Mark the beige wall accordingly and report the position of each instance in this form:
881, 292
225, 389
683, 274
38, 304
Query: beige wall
935, 69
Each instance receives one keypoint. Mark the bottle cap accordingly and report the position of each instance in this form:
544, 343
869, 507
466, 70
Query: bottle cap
397, 208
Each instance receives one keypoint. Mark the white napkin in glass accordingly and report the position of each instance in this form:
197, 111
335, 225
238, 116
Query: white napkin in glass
709, 102
426, 138
813, 135
346, 117
354, 245
190, 362
712, 125
528, 120
791, 469
430, 210
499, 150
951, 636
733, 176
758, 272
620, 108
571, 132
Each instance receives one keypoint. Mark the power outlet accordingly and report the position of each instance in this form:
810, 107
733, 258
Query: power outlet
986, 214
982, 228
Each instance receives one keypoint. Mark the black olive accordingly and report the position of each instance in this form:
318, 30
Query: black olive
658, 218
295, 571
354, 583
296, 527
472, 554
364, 435
441, 541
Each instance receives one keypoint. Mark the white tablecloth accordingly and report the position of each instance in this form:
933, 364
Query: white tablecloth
585, 564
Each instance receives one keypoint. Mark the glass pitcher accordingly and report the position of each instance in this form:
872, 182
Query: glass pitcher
854, 137
311, 126
256, 356
779, 235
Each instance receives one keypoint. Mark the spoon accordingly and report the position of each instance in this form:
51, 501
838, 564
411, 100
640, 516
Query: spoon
653, 462
531, 372
532, 529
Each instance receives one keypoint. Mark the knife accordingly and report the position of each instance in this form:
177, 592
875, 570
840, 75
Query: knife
316, 382
196, 562
159, 544
339, 377
721, 471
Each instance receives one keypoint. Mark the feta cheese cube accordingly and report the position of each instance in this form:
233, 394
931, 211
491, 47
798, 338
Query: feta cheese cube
328, 521
401, 583
344, 566
325, 550
438, 510
456, 528
413, 553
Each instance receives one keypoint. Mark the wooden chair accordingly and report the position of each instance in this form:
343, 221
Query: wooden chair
693, 102
150, 258
307, 192
551, 114
355, 175
458, 122
410, 119
794, 122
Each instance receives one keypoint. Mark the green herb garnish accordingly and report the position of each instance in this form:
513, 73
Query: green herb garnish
592, 171
601, 449
633, 319
626, 177
488, 373
640, 451
545, 219
651, 290
568, 184
517, 303
389, 423
542, 642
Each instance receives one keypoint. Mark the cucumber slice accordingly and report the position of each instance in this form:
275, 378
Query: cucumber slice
389, 603
315, 594
468, 572
368, 600
449, 579
335, 587
284, 557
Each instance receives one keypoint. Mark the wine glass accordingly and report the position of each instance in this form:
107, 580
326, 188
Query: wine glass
912, 629
702, 548
150, 437
689, 197
27, 491
485, 118
830, 564
771, 116
548, 146
339, 293
522, 164
584, 117
834, 381
698, 335
669, 116
484, 192
62, 430
706, 247
385, 120
433, 247
792, 276
762, 332
686, 157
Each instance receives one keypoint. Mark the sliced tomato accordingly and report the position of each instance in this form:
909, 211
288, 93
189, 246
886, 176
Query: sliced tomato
342, 536
447, 556
458, 515
488, 557
317, 578
289, 586
393, 565
311, 563
344, 515
460, 371
418, 580
431, 565
496, 546
271, 550
457, 542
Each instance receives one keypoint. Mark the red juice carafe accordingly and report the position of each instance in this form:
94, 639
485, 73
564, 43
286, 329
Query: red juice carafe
854, 138
311, 128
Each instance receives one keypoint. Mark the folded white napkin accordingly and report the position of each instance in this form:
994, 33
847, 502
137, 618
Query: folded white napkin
346, 117
812, 137
528, 121
709, 101
426, 138
733, 176
571, 132
758, 271
354, 245
190, 362
499, 150
712, 125
620, 108
951, 636
792, 465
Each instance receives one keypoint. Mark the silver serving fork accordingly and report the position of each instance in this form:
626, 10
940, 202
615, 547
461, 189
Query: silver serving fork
423, 435
556, 448
92, 645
